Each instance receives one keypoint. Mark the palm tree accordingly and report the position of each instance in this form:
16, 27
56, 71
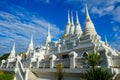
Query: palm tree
96, 73
60, 71
93, 59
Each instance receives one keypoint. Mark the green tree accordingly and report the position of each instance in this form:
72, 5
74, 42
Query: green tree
21, 53
6, 76
96, 73
5, 56
93, 59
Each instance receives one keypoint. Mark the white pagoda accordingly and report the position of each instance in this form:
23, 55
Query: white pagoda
41, 62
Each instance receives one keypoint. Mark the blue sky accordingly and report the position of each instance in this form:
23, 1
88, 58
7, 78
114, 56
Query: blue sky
19, 19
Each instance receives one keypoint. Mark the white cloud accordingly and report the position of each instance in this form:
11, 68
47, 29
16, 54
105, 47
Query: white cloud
45, 1
101, 11
116, 37
115, 28
101, 7
116, 14
97, 11
116, 44
74, 1
19, 26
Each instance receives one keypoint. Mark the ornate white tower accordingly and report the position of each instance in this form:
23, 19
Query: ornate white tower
78, 29
12, 53
67, 30
88, 24
72, 26
106, 42
30, 46
48, 38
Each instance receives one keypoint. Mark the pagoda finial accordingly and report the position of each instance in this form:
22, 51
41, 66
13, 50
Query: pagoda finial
48, 31
72, 25
68, 17
31, 40
13, 46
72, 18
78, 29
88, 24
67, 30
48, 38
12, 53
87, 13
106, 42
77, 20
31, 47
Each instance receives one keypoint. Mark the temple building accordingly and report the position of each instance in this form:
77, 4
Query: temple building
40, 63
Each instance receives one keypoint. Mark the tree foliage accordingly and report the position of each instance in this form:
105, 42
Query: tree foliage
6, 76
5, 56
60, 71
93, 59
21, 53
96, 73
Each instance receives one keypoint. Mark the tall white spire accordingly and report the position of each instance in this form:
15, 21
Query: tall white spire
48, 38
87, 13
72, 25
68, 18
30, 46
77, 20
67, 30
106, 42
78, 29
12, 53
72, 18
88, 25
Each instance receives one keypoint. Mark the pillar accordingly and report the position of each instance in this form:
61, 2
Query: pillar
59, 46
3, 61
30, 64
52, 58
26, 74
38, 60
7, 64
108, 58
72, 56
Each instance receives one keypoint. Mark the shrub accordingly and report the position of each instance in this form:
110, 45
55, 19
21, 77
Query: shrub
6, 76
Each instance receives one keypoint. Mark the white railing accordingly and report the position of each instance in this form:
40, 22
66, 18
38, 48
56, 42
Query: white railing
80, 70
79, 63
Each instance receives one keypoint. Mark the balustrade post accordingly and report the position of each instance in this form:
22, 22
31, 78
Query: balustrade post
7, 65
59, 46
1, 65
72, 56
3, 61
52, 58
38, 60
